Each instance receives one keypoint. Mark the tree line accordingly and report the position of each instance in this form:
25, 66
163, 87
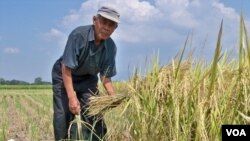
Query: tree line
37, 81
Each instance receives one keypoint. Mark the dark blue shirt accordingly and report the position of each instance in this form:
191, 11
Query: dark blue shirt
86, 59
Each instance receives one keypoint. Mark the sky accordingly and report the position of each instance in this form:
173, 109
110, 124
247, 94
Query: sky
33, 33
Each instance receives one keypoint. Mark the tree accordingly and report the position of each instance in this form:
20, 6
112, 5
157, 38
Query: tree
38, 80
2, 81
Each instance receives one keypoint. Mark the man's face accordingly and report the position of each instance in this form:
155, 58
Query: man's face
103, 27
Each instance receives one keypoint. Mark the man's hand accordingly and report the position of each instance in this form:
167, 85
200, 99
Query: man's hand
74, 105
107, 83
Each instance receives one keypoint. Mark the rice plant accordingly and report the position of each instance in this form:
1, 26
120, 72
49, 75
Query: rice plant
187, 99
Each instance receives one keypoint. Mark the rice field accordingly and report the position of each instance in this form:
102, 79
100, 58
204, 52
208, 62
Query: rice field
26, 114
185, 100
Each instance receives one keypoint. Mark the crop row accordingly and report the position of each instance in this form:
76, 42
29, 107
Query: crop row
25, 115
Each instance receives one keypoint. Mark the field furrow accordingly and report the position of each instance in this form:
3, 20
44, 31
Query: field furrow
17, 128
26, 115
40, 119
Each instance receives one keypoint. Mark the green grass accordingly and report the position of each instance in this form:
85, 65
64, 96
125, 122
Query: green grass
25, 86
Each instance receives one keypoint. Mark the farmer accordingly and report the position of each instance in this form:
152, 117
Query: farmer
89, 51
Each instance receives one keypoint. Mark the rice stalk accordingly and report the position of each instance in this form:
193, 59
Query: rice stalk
215, 62
181, 57
247, 118
241, 48
100, 104
80, 125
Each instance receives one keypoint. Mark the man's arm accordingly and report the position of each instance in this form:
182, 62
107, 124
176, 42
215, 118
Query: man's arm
107, 83
74, 105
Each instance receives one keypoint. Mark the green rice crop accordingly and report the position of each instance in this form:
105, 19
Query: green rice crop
25, 87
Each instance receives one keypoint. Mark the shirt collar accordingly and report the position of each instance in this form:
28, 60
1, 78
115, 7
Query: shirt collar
91, 34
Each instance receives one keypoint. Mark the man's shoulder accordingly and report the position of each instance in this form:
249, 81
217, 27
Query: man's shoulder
83, 30
110, 42
110, 45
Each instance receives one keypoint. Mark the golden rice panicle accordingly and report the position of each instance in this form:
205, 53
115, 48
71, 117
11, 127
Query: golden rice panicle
99, 104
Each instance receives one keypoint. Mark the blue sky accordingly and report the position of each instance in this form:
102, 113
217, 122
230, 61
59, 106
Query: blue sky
33, 32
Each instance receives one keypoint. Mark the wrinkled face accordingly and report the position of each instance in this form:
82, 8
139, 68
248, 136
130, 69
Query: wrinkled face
103, 27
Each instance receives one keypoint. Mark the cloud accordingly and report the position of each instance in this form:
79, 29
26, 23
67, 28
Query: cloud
10, 50
80, 16
55, 35
228, 12
71, 18
158, 25
159, 21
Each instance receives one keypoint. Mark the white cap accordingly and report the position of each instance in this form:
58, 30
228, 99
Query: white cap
109, 13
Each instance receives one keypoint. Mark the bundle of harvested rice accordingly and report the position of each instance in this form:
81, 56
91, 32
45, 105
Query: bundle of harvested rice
99, 104
80, 124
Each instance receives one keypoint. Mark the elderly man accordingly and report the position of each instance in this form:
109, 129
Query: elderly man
89, 51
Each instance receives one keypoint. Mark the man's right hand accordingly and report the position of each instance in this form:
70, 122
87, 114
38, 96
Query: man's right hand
74, 105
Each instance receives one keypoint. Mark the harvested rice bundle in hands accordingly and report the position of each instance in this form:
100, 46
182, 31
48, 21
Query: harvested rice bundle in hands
99, 104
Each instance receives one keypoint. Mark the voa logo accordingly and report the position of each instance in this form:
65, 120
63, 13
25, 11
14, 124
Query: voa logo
236, 132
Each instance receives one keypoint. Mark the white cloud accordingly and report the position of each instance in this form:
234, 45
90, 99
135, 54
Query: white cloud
228, 12
55, 35
163, 21
71, 18
10, 50
80, 16
130, 10
160, 24
139, 20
